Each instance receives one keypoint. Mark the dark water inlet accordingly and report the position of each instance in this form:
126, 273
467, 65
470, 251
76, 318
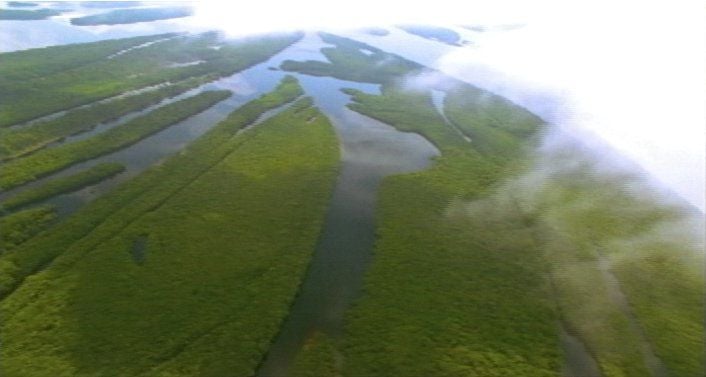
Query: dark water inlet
139, 249
437, 97
578, 362
653, 363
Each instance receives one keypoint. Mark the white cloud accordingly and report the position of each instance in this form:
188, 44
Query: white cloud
263, 16
632, 72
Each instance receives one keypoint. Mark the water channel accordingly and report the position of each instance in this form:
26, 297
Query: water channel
371, 150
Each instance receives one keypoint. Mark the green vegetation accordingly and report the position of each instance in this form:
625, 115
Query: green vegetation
228, 227
21, 226
130, 16
28, 65
442, 297
23, 14
670, 309
32, 89
591, 225
191, 267
587, 225
466, 299
171, 176
32, 167
349, 62
19, 141
497, 128
433, 33
585, 302
475, 274
478, 253
62, 185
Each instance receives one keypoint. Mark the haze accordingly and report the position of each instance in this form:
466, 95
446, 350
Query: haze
629, 72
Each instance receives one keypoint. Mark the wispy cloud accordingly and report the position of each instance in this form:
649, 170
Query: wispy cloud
631, 72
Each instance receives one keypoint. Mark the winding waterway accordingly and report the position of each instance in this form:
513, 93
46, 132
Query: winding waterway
578, 362
653, 363
437, 97
371, 150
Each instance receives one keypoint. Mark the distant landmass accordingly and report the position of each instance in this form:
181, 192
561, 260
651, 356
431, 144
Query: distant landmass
378, 31
130, 16
110, 4
434, 33
21, 4
22, 14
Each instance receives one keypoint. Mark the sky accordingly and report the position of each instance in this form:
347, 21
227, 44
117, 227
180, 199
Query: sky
629, 72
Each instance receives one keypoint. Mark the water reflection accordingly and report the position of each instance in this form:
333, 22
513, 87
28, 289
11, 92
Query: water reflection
371, 150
